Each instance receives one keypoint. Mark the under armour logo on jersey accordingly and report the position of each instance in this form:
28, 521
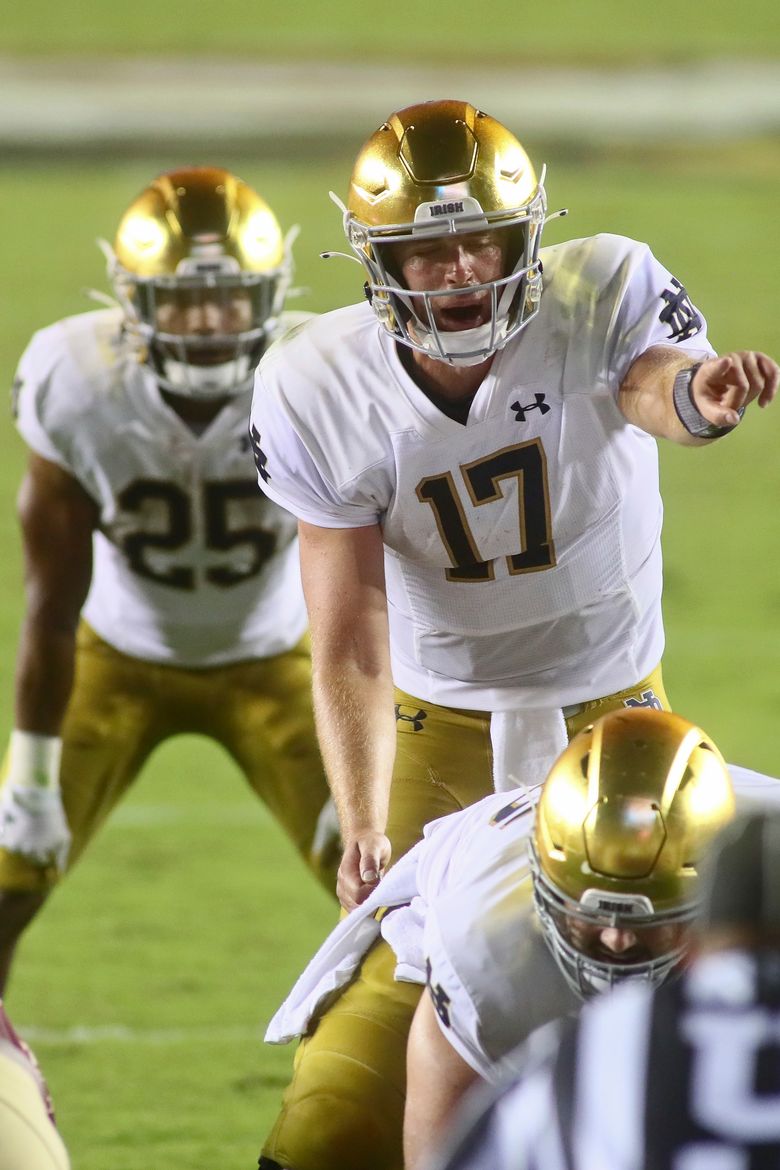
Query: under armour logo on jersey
260, 456
679, 313
648, 699
441, 1001
521, 411
416, 719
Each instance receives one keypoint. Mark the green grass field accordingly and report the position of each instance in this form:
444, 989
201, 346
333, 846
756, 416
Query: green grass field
145, 986
597, 31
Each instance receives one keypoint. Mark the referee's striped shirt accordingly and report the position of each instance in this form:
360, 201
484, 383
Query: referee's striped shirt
683, 1078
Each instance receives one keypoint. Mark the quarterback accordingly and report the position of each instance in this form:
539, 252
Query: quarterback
517, 908
471, 454
140, 512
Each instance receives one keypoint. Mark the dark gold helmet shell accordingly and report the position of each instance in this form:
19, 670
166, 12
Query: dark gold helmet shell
194, 210
439, 152
625, 817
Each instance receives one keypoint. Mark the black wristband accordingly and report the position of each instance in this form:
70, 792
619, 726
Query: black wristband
688, 412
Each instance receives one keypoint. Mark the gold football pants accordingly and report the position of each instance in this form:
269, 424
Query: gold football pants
122, 708
343, 1109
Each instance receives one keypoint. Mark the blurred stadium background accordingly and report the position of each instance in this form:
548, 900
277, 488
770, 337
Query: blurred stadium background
145, 988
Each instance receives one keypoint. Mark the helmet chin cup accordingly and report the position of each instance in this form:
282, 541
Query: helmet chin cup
467, 347
227, 379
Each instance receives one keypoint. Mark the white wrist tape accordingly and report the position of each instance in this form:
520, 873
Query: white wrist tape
34, 760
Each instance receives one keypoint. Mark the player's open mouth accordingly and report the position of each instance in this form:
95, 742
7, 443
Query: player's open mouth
462, 316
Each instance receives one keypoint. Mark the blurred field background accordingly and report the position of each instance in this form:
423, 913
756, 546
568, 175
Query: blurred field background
145, 986
603, 30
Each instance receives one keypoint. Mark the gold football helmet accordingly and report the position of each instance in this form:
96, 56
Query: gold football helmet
201, 270
623, 821
438, 169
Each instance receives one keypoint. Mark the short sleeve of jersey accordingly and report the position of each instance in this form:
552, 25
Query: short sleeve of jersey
31, 401
288, 473
754, 790
654, 309
456, 846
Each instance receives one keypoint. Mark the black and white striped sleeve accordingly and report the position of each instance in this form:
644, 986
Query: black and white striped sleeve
578, 1101
491, 1136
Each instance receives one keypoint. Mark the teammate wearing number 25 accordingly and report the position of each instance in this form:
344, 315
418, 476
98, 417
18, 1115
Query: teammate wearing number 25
472, 459
140, 510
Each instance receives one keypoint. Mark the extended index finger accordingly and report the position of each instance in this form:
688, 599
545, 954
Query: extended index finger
770, 373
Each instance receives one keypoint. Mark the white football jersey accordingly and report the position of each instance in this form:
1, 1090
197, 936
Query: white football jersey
522, 548
491, 976
193, 565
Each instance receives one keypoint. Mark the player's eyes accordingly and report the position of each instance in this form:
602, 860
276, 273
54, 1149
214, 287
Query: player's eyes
426, 252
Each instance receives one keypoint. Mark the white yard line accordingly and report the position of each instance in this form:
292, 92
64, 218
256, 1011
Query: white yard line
50, 103
84, 1034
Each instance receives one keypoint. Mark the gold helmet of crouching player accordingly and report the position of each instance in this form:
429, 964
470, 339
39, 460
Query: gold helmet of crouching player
437, 169
623, 821
201, 238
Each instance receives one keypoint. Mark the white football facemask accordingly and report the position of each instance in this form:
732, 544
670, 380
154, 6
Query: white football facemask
562, 918
409, 317
202, 365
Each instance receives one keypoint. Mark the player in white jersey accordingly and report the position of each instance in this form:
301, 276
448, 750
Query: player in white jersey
141, 512
622, 823
623, 817
685, 1075
472, 460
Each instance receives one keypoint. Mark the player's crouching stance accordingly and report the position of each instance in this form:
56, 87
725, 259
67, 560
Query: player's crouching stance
141, 512
514, 910
683, 1075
